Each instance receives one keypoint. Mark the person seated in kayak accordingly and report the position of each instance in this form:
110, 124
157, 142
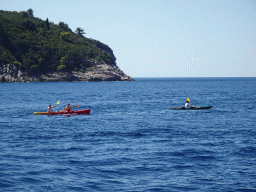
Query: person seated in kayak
188, 104
49, 110
68, 108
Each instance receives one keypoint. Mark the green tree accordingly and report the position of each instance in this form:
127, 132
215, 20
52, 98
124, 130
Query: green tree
64, 60
5, 56
47, 24
24, 14
1, 30
80, 31
64, 26
65, 35
61, 67
29, 25
30, 12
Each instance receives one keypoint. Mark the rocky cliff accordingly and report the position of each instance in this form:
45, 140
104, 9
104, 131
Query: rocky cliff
99, 72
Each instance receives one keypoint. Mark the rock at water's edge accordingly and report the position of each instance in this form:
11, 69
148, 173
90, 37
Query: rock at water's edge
100, 72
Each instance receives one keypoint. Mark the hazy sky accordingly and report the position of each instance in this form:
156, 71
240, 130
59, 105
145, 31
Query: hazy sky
162, 38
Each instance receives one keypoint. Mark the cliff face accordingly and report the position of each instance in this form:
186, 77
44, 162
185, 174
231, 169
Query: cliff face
100, 72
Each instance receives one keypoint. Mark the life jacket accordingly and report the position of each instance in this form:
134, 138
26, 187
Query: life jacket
67, 110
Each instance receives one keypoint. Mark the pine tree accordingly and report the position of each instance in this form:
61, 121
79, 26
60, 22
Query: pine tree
80, 31
47, 24
30, 12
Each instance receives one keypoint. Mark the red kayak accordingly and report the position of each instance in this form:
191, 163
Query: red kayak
85, 111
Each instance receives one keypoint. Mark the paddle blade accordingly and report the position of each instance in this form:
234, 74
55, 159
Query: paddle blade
57, 103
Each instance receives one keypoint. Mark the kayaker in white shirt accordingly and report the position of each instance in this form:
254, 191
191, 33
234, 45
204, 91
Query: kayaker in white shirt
49, 110
188, 104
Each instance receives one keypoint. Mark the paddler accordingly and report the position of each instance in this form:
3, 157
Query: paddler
188, 104
49, 110
68, 108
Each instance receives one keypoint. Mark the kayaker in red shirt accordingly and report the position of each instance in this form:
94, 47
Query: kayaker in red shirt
68, 108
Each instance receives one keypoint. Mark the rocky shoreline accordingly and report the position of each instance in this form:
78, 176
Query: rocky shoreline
101, 72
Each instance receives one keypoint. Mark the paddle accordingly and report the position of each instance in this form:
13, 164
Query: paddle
56, 104
75, 106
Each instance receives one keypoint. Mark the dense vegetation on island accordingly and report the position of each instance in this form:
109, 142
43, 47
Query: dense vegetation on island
36, 46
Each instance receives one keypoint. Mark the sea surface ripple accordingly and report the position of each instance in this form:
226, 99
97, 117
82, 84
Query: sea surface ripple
131, 141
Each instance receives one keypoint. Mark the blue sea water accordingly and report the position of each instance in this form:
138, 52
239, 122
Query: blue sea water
131, 141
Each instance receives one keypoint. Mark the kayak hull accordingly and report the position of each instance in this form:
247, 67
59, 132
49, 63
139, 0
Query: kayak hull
192, 108
85, 111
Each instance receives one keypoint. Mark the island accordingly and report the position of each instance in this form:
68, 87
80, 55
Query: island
36, 50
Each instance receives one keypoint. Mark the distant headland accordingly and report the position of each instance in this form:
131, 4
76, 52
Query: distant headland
36, 50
